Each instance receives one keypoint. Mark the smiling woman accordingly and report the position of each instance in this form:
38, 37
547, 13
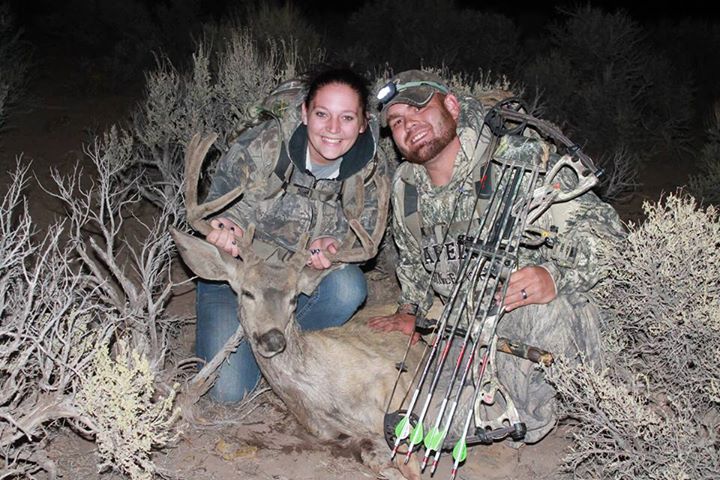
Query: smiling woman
334, 118
298, 168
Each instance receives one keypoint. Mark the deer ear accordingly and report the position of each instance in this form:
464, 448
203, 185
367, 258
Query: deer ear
203, 258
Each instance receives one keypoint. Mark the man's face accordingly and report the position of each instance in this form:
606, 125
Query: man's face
422, 133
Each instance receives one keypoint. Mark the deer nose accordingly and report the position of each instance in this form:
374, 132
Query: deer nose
271, 343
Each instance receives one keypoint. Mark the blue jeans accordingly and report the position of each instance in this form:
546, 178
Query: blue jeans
332, 303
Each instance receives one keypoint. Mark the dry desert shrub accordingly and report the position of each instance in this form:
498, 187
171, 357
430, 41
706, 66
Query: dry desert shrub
125, 258
621, 433
229, 76
48, 330
119, 395
126, 262
619, 180
97, 282
664, 291
654, 413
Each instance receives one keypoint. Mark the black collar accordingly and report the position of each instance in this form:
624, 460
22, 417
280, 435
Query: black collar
352, 162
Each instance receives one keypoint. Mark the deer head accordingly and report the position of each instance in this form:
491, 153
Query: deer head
267, 290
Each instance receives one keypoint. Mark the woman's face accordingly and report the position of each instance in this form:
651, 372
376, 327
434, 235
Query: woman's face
334, 121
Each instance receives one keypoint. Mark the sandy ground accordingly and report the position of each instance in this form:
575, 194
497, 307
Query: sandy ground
262, 441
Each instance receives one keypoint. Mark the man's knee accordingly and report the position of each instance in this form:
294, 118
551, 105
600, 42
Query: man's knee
566, 326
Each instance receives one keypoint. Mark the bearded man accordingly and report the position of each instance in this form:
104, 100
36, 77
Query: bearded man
445, 140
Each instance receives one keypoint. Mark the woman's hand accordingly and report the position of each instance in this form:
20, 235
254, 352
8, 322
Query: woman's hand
225, 235
318, 248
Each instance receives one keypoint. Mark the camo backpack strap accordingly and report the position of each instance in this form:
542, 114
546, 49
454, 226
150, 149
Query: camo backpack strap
481, 180
284, 104
409, 199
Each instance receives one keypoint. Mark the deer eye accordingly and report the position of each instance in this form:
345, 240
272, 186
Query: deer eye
247, 294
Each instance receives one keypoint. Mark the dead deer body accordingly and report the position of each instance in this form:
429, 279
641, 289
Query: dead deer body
336, 382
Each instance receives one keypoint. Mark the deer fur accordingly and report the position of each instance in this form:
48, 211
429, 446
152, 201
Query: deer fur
337, 381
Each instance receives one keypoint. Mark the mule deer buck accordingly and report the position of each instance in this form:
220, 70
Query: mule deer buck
336, 381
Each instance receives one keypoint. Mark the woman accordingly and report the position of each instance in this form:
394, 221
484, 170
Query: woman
298, 168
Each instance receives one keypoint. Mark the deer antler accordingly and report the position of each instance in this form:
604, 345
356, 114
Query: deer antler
194, 157
368, 243
196, 152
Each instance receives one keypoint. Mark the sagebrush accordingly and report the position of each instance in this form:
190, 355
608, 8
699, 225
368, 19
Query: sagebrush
95, 281
654, 413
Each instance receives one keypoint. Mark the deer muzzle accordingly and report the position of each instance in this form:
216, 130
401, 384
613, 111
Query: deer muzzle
270, 343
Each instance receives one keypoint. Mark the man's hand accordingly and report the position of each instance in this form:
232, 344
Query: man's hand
529, 285
225, 235
401, 322
318, 248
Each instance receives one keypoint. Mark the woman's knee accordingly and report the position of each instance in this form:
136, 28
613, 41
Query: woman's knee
217, 318
347, 287
232, 386
237, 376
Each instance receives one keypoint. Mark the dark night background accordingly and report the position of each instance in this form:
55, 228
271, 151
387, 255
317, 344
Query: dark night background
636, 83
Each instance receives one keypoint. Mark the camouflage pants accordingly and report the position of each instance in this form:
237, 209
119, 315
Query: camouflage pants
565, 327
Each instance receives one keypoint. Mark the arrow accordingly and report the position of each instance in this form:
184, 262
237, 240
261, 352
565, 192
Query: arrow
433, 441
459, 453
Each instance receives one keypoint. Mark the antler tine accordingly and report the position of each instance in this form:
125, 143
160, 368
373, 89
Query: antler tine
196, 152
301, 255
368, 243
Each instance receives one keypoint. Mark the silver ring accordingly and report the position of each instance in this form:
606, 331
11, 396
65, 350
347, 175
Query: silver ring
314, 251
524, 294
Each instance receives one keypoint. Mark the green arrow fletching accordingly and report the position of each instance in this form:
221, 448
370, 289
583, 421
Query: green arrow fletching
459, 452
417, 434
402, 429
433, 439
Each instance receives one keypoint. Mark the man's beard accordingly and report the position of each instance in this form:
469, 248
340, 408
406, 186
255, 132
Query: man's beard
428, 151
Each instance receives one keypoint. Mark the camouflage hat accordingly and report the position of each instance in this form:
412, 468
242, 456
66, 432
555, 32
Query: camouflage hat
414, 87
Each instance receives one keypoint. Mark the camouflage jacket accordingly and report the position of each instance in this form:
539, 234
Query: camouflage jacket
281, 214
581, 222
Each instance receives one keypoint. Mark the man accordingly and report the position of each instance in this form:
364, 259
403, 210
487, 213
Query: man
445, 140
